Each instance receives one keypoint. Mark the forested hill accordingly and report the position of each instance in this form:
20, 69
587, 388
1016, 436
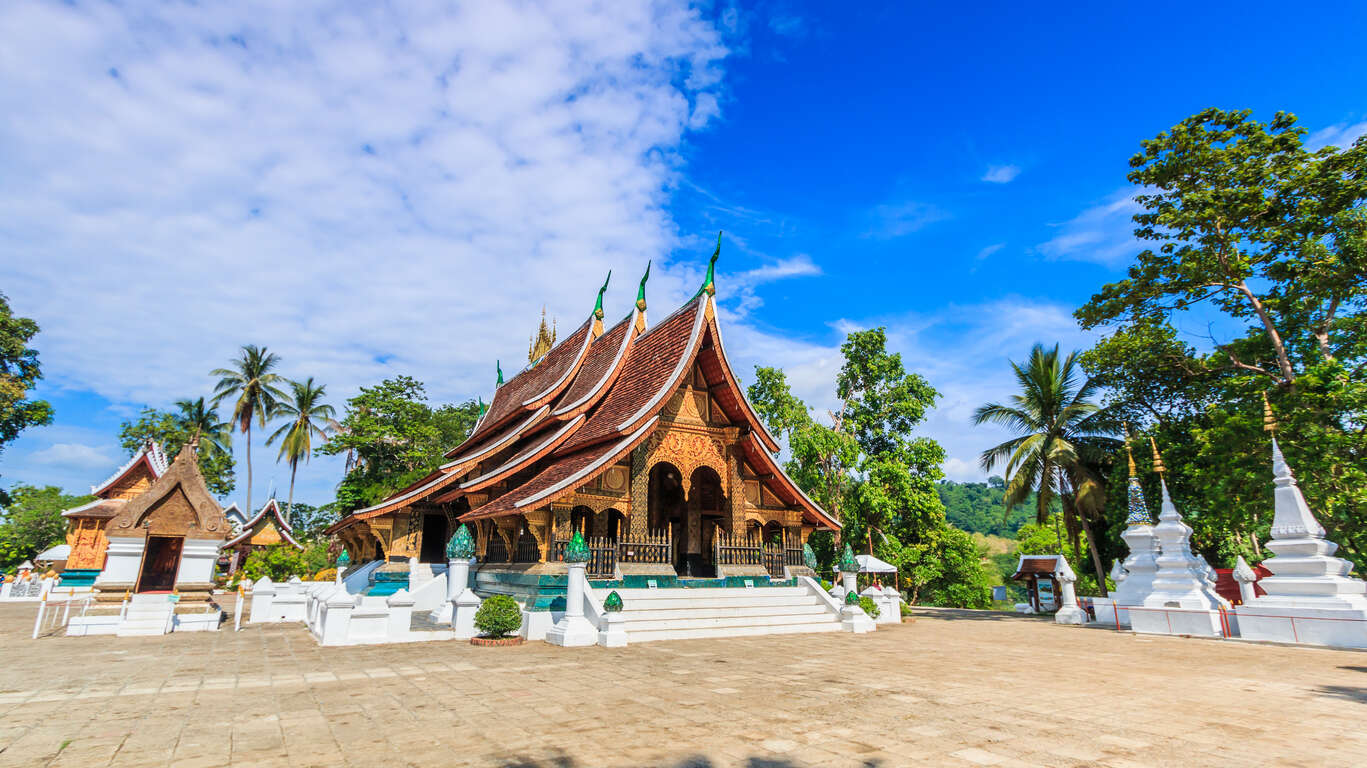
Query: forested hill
977, 507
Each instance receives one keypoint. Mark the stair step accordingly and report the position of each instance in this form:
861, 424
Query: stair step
695, 633
720, 593
708, 622
811, 608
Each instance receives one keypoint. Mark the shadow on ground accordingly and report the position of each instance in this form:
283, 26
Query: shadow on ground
696, 761
1344, 692
963, 614
1354, 669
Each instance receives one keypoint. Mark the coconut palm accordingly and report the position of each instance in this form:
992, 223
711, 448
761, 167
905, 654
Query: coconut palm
201, 421
309, 417
257, 389
1062, 438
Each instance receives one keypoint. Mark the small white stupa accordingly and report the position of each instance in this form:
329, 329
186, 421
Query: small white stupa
1183, 601
1136, 579
1310, 597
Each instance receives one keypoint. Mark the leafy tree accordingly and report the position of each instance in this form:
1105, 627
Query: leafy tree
19, 373
393, 437
1269, 238
172, 430
869, 470
1060, 445
308, 418
32, 521
282, 561
309, 521
252, 380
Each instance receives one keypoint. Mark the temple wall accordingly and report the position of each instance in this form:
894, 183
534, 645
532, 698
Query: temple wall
88, 543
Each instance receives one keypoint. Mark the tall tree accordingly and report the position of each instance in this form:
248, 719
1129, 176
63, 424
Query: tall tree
19, 373
252, 380
1266, 240
32, 521
393, 437
173, 430
308, 418
1061, 440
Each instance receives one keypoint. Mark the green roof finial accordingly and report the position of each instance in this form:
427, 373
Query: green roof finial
462, 545
613, 602
598, 306
848, 563
482, 407
577, 551
498, 365
708, 286
641, 292
343, 560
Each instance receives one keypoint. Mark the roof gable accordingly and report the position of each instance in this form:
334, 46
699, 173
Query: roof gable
182, 477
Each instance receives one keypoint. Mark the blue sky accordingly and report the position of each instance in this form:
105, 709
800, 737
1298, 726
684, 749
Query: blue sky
373, 191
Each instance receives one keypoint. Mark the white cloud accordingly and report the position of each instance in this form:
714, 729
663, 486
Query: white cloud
1001, 174
367, 190
1102, 234
1341, 135
73, 456
898, 219
989, 250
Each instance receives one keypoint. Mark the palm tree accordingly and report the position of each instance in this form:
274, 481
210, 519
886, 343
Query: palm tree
256, 387
305, 411
201, 421
1061, 441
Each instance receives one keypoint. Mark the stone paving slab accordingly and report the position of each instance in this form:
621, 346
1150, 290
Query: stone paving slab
952, 688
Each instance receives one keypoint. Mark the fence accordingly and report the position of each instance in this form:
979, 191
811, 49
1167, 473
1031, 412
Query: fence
54, 613
656, 547
602, 554
751, 549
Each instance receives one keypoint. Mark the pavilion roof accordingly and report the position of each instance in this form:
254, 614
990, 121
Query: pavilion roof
269, 511
149, 456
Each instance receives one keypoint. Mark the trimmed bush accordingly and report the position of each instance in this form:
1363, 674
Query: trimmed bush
498, 616
869, 606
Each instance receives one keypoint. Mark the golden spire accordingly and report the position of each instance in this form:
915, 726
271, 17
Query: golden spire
1157, 458
1269, 420
542, 340
1128, 453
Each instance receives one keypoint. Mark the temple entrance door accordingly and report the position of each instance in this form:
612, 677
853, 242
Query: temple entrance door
666, 509
160, 563
433, 539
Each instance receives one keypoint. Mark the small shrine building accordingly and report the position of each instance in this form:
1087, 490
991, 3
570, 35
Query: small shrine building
636, 435
268, 528
154, 528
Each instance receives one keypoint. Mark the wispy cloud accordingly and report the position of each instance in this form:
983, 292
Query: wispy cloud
1001, 174
1102, 234
1341, 135
900, 219
73, 456
989, 250
366, 189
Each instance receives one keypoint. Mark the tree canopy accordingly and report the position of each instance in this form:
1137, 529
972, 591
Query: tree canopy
32, 521
19, 374
173, 429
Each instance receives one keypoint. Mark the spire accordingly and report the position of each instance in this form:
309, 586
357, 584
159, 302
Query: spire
542, 341
1292, 518
1269, 420
499, 367
641, 292
641, 302
598, 305
708, 286
1138, 510
1157, 458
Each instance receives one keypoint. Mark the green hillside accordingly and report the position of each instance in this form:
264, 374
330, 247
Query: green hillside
977, 508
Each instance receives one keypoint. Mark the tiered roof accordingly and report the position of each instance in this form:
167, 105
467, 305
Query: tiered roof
584, 405
149, 461
270, 513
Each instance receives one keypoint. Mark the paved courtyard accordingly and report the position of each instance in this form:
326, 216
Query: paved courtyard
949, 689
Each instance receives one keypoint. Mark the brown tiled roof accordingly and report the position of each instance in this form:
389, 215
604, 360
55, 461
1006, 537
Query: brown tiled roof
566, 473
100, 509
536, 384
656, 361
536, 449
1039, 566
604, 361
757, 456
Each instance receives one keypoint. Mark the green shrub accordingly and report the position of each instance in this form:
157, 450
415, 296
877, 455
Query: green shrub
826, 585
869, 606
498, 616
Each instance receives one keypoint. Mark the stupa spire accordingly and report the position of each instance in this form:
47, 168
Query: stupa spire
1138, 510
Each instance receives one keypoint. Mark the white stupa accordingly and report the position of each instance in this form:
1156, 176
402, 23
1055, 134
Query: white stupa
1140, 566
1183, 601
1310, 596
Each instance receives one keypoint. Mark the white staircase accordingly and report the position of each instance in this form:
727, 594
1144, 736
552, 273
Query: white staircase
147, 615
683, 613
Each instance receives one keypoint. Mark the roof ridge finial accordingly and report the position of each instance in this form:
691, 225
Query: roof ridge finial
1157, 457
498, 366
1128, 452
641, 292
708, 285
598, 306
1269, 419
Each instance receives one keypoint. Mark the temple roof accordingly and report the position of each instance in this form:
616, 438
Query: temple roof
149, 456
588, 401
270, 512
183, 476
99, 509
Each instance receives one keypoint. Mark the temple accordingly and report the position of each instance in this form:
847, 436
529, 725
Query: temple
85, 532
268, 528
635, 435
